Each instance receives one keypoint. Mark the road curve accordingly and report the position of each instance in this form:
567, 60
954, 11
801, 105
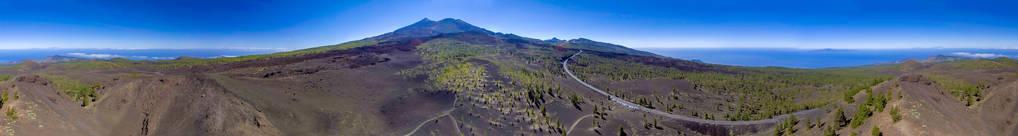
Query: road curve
577, 122
633, 106
439, 115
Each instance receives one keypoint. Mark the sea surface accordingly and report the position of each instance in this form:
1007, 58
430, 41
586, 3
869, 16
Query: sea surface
819, 58
8, 56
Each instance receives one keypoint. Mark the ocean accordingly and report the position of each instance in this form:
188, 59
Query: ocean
8, 56
818, 58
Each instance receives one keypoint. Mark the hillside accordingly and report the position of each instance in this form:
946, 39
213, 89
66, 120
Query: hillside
449, 77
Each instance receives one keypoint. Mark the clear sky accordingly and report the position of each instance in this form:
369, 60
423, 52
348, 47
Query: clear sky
296, 24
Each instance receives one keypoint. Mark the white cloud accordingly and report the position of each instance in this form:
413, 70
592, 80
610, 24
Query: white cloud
978, 55
111, 56
93, 56
163, 58
224, 56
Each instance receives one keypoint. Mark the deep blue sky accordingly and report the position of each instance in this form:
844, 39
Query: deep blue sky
674, 23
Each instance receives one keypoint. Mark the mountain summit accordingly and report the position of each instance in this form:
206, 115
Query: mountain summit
427, 28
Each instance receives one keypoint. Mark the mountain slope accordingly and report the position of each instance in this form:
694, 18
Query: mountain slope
587, 44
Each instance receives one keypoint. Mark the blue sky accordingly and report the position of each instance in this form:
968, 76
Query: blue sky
634, 23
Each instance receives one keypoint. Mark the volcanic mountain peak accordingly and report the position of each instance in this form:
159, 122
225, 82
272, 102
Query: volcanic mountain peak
426, 28
554, 39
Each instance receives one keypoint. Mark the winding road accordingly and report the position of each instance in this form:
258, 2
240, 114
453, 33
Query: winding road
633, 106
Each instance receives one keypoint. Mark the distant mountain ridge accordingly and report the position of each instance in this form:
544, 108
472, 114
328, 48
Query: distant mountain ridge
59, 58
584, 43
456, 27
931, 59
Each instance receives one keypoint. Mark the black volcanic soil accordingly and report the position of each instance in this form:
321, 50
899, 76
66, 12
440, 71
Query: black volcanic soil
340, 92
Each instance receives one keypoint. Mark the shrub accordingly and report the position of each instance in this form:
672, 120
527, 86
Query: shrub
879, 102
576, 99
848, 97
876, 131
786, 126
3, 98
894, 114
12, 114
841, 119
645, 102
622, 131
899, 95
830, 131
861, 115
5, 78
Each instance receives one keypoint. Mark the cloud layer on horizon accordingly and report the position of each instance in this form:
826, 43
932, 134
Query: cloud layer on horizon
111, 56
979, 55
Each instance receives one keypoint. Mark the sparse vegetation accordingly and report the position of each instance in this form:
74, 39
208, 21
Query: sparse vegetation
786, 127
873, 103
966, 92
879, 102
862, 113
517, 90
94, 64
760, 92
76, 90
